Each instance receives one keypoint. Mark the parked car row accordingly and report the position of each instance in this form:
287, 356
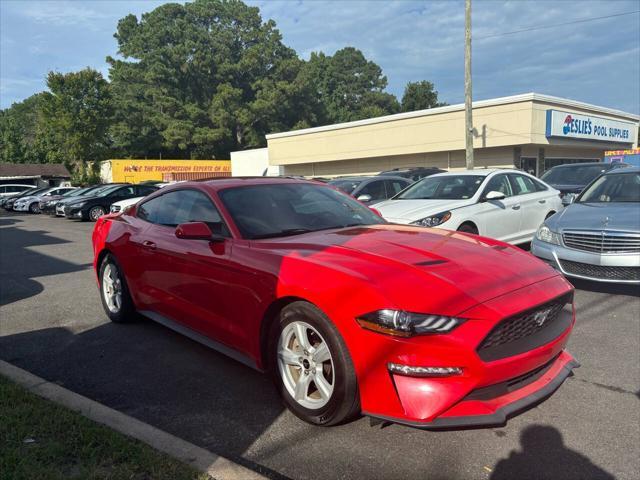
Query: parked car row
88, 203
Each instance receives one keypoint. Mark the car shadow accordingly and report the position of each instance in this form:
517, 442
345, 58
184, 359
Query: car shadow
610, 288
146, 370
20, 263
545, 456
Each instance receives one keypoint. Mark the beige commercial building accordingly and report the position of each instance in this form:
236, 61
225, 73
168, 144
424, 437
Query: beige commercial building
531, 131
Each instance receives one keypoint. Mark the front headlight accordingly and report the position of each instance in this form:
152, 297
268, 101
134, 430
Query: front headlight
545, 234
406, 324
77, 205
433, 220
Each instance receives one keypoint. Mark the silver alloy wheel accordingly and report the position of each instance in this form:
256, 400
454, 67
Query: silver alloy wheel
112, 288
95, 213
305, 365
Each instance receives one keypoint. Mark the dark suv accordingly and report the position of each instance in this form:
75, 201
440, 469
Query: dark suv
370, 190
573, 177
412, 173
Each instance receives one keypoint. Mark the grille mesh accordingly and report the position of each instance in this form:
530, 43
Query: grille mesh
601, 272
603, 242
525, 324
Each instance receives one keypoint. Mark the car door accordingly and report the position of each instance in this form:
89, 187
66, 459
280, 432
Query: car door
374, 189
498, 219
532, 203
122, 193
395, 186
193, 280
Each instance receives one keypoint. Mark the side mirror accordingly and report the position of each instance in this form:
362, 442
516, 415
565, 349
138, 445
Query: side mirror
197, 231
494, 195
568, 199
364, 198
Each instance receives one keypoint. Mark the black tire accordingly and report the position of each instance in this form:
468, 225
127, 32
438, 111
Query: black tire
344, 402
468, 228
95, 213
34, 207
127, 312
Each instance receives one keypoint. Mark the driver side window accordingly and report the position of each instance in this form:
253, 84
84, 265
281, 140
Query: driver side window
374, 189
499, 183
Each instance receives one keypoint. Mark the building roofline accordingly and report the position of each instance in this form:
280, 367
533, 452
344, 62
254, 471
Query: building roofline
526, 97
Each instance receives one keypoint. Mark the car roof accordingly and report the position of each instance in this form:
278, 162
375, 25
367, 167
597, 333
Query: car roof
221, 183
478, 171
582, 164
621, 171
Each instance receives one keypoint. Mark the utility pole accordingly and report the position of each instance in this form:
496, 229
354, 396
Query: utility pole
468, 120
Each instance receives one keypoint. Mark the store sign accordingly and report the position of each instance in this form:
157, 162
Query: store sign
589, 127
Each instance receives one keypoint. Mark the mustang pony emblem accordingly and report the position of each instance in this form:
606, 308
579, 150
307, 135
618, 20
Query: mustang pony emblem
540, 317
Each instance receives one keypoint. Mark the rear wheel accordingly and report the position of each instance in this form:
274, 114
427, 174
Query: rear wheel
311, 366
96, 212
114, 292
468, 228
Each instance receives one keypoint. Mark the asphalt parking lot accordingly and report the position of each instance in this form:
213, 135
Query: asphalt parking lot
52, 324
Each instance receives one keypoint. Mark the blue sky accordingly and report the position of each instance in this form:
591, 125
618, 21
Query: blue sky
596, 62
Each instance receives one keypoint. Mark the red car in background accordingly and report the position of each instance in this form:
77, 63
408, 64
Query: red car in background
348, 313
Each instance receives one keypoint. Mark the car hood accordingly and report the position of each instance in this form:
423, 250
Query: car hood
80, 199
457, 270
593, 216
568, 188
404, 211
27, 199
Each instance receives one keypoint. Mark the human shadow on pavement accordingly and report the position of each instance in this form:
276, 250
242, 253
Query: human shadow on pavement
545, 456
20, 263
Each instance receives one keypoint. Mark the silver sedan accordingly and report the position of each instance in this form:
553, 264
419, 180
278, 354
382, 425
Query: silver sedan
597, 237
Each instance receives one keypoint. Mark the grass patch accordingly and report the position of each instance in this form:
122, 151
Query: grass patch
39, 439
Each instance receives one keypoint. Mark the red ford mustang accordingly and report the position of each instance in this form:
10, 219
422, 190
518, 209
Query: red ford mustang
349, 314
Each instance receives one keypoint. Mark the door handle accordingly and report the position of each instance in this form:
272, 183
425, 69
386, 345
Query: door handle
516, 207
149, 244
542, 201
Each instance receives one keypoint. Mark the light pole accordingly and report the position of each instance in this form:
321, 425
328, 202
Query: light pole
468, 120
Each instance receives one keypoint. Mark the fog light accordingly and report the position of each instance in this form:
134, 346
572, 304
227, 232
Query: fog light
423, 371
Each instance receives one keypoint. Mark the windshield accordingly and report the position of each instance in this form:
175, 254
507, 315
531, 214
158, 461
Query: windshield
104, 191
579, 175
347, 186
278, 210
446, 187
618, 187
73, 193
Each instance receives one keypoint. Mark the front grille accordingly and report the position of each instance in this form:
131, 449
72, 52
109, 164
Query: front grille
601, 272
602, 241
527, 330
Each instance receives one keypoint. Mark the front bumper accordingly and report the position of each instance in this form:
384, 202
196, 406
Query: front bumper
21, 207
612, 268
73, 212
491, 406
497, 373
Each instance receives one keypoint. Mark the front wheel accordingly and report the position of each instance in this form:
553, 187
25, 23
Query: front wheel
34, 207
311, 366
114, 292
95, 213
468, 228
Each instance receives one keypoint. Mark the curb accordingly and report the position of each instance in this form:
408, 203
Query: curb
214, 465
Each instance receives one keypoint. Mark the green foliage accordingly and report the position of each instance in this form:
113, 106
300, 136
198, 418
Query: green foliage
420, 96
195, 80
349, 87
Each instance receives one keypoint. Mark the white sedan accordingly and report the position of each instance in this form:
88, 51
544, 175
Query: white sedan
508, 205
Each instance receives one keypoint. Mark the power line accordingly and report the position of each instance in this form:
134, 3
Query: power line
541, 27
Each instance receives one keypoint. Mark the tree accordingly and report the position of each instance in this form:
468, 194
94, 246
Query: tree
201, 79
349, 87
420, 96
77, 111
